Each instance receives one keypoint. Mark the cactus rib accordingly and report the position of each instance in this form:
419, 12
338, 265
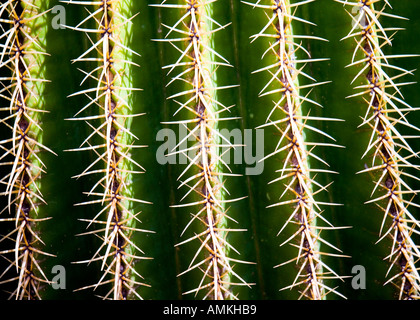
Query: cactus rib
199, 61
383, 116
22, 55
291, 122
111, 96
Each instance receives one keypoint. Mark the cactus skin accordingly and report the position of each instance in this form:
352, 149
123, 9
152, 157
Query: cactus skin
159, 183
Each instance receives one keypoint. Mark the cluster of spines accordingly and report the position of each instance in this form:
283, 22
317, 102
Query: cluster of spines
197, 65
290, 120
114, 164
386, 110
21, 55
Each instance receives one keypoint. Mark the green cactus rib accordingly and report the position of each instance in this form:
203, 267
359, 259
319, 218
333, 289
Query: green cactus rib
204, 175
111, 141
389, 149
288, 117
23, 56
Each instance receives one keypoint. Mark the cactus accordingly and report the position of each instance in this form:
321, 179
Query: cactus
209, 149
23, 53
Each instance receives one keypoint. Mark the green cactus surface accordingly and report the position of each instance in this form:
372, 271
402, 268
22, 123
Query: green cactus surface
209, 149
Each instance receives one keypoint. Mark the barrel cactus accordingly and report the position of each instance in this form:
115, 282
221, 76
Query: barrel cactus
209, 149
